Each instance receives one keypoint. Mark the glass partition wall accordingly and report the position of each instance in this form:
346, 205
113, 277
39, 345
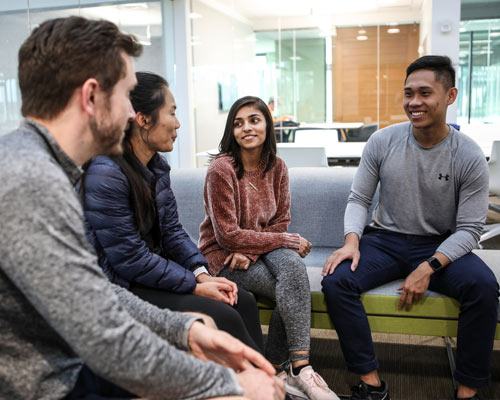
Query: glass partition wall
313, 75
292, 69
143, 19
479, 72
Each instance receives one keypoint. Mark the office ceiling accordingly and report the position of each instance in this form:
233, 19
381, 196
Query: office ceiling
298, 8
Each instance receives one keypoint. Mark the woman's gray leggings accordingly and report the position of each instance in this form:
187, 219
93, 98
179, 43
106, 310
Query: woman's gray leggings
280, 275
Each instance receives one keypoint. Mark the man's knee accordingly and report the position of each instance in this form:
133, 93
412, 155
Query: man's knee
340, 283
485, 287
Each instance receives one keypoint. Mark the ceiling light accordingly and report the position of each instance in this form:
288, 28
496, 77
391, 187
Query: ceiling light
361, 31
494, 34
194, 15
362, 37
393, 30
135, 5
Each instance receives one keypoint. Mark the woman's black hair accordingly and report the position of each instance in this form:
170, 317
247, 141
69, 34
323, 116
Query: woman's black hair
148, 97
228, 144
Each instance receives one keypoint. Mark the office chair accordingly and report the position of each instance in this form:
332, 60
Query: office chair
494, 169
284, 130
361, 134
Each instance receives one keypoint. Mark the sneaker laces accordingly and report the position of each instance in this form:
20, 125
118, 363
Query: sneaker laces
359, 392
314, 378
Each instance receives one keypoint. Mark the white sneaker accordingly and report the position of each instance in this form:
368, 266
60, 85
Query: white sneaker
312, 384
290, 390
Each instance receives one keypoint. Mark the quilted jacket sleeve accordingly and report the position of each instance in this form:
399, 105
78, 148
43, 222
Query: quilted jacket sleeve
110, 217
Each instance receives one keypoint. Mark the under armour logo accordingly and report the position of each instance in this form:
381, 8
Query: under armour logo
445, 177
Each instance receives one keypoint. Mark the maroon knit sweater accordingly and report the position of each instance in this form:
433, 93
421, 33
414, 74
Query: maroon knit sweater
248, 215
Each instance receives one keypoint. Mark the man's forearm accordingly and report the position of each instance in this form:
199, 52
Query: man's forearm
355, 218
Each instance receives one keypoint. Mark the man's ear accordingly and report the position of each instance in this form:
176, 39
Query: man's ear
89, 92
142, 120
452, 95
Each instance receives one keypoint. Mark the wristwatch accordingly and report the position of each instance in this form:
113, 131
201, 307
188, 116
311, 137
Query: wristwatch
435, 264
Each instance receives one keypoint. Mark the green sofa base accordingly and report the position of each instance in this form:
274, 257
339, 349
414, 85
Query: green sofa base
431, 316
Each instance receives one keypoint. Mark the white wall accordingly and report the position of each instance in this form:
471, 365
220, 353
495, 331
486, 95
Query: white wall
440, 35
224, 48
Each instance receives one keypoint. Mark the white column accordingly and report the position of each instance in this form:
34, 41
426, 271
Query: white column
168, 64
178, 62
440, 35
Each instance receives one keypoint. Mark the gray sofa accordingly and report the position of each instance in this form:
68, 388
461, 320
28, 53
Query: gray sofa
319, 198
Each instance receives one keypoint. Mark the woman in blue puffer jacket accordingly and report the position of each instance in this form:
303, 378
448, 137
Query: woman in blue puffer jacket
132, 222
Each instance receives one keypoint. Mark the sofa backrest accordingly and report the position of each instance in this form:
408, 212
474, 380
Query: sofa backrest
319, 197
187, 185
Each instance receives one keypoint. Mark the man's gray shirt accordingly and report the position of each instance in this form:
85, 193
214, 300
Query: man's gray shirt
423, 191
57, 309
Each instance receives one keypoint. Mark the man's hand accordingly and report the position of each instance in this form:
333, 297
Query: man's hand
305, 247
260, 386
238, 261
415, 285
219, 291
218, 346
233, 294
350, 251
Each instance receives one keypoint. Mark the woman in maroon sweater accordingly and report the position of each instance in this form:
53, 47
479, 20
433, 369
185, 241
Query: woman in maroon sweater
244, 237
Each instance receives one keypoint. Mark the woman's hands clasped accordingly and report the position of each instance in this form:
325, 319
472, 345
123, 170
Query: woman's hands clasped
217, 288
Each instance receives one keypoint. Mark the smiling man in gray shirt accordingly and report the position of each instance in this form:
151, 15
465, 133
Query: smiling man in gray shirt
432, 205
65, 331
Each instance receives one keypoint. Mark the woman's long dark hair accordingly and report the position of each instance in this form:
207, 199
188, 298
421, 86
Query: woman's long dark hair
147, 98
228, 144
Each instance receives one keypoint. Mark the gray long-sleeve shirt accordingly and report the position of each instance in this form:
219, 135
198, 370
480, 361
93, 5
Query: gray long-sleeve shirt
57, 309
423, 191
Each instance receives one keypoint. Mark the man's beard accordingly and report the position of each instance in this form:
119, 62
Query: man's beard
107, 138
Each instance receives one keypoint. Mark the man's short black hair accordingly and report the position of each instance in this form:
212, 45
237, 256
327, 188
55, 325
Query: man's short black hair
441, 65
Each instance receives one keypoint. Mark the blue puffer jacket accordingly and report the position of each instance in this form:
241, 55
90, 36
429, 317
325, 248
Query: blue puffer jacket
111, 228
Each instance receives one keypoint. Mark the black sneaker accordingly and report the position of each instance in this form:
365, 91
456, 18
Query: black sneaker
361, 392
